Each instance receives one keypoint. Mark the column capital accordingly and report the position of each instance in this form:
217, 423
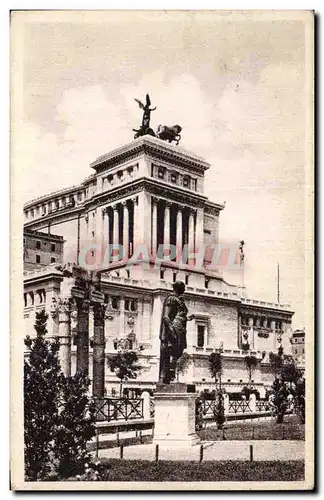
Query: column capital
154, 200
83, 305
115, 206
192, 211
168, 204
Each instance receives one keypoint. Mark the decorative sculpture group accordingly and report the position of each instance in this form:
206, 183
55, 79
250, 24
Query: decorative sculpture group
163, 132
173, 332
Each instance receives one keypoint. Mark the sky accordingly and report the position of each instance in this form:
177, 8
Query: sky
237, 86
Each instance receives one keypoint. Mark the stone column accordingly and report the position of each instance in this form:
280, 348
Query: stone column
64, 335
166, 240
273, 330
125, 229
98, 353
252, 403
135, 223
121, 317
154, 225
226, 402
179, 239
146, 405
199, 229
82, 364
115, 240
191, 236
105, 236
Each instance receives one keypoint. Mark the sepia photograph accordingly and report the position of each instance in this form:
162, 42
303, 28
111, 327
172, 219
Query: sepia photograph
162, 250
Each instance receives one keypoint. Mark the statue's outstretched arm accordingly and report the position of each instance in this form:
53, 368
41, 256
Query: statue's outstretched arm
153, 109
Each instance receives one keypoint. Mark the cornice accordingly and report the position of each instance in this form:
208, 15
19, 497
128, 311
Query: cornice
154, 147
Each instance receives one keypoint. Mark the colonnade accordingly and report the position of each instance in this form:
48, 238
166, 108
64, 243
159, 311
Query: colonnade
129, 222
67, 311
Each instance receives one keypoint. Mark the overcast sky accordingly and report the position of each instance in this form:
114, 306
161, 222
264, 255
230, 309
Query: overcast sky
238, 89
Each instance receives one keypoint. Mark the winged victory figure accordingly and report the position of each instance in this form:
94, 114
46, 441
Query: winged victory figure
145, 127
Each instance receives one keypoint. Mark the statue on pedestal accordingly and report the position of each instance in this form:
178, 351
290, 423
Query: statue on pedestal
173, 332
145, 127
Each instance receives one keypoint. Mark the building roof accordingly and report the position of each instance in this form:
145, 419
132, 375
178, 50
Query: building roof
44, 236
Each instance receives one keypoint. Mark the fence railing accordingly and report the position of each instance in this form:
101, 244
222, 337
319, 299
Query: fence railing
262, 405
239, 407
112, 409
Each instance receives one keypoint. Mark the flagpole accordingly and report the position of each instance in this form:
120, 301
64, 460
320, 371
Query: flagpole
278, 285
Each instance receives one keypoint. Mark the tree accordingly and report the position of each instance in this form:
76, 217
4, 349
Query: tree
58, 414
216, 368
276, 362
182, 364
215, 365
125, 365
251, 363
280, 399
43, 381
76, 426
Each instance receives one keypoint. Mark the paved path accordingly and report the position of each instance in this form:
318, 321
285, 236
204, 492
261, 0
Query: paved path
215, 450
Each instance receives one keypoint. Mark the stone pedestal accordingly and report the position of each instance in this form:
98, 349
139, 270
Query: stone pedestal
175, 415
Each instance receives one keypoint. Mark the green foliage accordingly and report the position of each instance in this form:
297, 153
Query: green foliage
58, 413
125, 365
182, 363
43, 382
219, 410
279, 400
215, 364
251, 363
76, 428
276, 362
288, 381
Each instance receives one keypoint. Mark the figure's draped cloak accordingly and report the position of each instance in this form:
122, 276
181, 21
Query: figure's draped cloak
178, 318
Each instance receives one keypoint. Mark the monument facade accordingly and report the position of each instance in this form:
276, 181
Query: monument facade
144, 195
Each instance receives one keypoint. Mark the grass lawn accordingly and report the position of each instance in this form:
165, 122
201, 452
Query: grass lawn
290, 429
141, 470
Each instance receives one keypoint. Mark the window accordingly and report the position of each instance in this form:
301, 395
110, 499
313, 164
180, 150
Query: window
38, 245
187, 279
200, 335
161, 172
174, 277
110, 179
52, 260
38, 259
174, 177
25, 299
194, 184
186, 181
206, 282
131, 305
52, 247
115, 302
161, 274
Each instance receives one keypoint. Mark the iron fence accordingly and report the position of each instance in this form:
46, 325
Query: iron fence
239, 407
114, 409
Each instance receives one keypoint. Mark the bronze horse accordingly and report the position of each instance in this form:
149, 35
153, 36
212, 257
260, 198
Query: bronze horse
169, 133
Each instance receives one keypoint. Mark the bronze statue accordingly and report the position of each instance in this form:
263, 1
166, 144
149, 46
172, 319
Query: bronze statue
173, 332
145, 127
169, 133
